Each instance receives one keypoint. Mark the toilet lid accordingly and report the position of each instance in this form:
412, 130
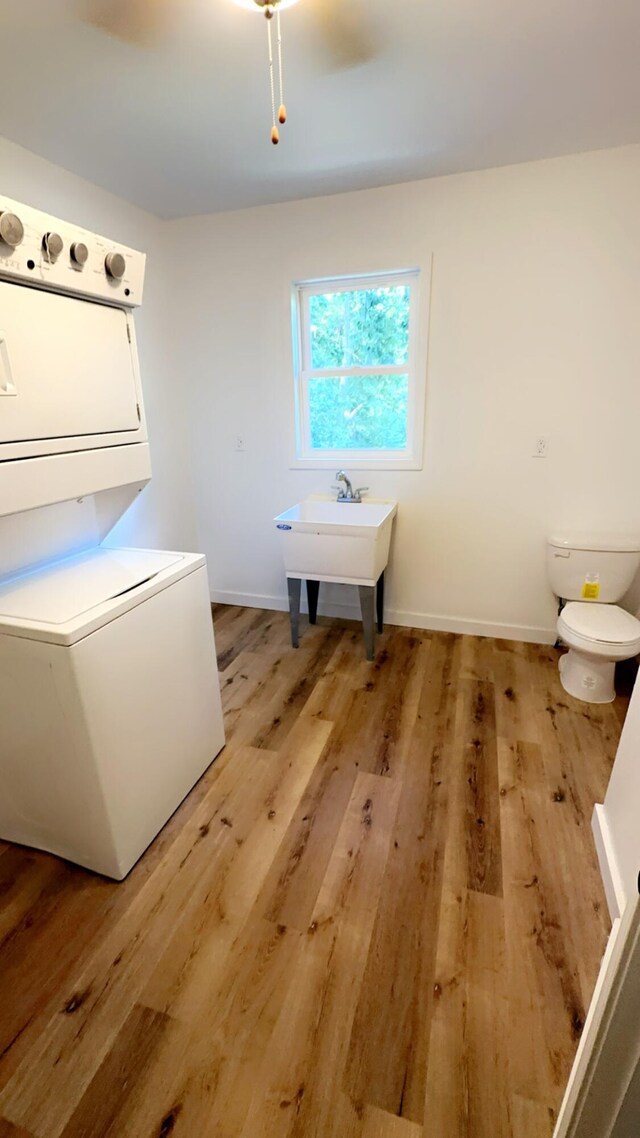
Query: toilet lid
605, 623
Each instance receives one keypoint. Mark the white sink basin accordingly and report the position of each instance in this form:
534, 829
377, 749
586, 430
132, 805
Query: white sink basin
325, 540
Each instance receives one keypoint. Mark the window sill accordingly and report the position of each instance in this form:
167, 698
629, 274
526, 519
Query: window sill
353, 462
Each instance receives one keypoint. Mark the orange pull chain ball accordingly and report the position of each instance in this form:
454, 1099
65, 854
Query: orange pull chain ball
282, 113
275, 135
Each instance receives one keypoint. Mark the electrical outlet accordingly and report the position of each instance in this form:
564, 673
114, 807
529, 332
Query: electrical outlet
541, 447
239, 442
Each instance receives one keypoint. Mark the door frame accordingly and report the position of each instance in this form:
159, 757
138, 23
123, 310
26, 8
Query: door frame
609, 1050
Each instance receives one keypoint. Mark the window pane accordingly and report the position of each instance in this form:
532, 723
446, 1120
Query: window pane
360, 328
367, 412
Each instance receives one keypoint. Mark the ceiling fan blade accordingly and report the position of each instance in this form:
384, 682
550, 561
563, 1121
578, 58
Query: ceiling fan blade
134, 21
346, 31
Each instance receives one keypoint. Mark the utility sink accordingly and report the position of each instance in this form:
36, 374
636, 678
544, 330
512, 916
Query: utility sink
343, 542
347, 542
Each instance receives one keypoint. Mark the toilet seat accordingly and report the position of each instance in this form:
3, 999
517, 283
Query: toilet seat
597, 627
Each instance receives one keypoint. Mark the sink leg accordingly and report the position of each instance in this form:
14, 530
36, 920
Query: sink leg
380, 601
313, 588
293, 587
367, 595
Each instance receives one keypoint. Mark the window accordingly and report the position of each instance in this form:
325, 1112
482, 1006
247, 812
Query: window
358, 398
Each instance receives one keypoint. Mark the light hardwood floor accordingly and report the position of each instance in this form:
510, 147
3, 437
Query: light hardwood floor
378, 915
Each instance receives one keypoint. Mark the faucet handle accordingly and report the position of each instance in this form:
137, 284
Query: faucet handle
360, 490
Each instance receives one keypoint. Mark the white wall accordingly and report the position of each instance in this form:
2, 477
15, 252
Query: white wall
536, 275
163, 515
534, 330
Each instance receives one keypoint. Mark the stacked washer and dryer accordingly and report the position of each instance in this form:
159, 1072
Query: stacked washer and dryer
109, 694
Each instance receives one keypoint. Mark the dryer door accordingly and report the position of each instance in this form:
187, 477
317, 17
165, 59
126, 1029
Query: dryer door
66, 367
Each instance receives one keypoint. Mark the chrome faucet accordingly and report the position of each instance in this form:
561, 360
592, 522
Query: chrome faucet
348, 494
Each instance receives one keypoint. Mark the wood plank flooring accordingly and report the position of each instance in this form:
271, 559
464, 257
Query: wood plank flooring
378, 915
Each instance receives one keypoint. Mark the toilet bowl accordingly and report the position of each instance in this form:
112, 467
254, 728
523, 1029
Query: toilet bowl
589, 573
597, 636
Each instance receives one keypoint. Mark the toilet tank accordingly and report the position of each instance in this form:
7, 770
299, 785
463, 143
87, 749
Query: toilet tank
584, 567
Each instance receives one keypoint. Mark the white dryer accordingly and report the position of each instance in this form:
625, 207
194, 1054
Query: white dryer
109, 695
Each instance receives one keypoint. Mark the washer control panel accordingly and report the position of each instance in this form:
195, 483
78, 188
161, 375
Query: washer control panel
43, 251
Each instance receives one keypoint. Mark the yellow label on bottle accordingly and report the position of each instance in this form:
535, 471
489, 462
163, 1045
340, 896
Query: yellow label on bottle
590, 591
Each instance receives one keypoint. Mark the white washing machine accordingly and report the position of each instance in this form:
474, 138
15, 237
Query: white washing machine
109, 695
109, 701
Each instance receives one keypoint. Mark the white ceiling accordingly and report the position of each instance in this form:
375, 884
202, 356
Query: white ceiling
183, 127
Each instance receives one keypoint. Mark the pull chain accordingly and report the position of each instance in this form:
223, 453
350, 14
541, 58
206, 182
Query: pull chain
275, 133
282, 110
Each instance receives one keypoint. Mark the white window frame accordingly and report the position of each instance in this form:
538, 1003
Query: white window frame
410, 457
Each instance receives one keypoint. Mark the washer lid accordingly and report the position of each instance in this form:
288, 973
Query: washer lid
600, 542
606, 624
64, 591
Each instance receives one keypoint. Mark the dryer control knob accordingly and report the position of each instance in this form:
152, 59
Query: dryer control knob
53, 245
79, 253
115, 266
11, 229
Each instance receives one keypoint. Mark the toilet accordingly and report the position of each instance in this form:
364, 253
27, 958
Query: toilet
590, 573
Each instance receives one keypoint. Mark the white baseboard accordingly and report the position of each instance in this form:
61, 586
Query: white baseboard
609, 871
428, 621
499, 631
249, 600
